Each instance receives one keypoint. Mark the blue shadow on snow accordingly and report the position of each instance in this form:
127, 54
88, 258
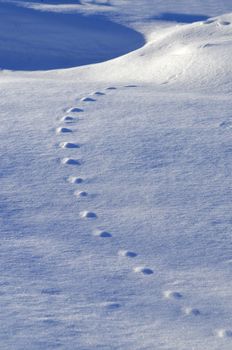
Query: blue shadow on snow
180, 17
31, 39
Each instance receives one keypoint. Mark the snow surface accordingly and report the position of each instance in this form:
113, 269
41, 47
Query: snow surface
115, 197
33, 39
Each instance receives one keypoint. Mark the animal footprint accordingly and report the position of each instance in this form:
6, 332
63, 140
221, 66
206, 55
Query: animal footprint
88, 215
81, 193
102, 234
168, 294
75, 180
70, 161
224, 23
69, 145
127, 253
191, 311
63, 130
130, 86
68, 119
112, 306
75, 110
88, 99
144, 270
98, 93
224, 333
111, 88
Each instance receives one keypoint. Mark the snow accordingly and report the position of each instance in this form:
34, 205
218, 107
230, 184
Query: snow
33, 39
115, 198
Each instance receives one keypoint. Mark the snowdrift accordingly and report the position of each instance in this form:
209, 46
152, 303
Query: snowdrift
196, 54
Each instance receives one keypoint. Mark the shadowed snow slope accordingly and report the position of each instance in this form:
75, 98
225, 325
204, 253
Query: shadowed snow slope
31, 39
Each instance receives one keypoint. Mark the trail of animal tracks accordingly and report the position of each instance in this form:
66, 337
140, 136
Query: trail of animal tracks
115, 197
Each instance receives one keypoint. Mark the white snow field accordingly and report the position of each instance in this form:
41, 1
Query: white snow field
116, 176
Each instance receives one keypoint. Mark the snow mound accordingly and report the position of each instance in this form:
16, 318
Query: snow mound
198, 54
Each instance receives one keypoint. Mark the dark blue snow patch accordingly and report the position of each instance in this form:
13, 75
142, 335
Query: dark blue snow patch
130, 254
147, 271
31, 39
179, 17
